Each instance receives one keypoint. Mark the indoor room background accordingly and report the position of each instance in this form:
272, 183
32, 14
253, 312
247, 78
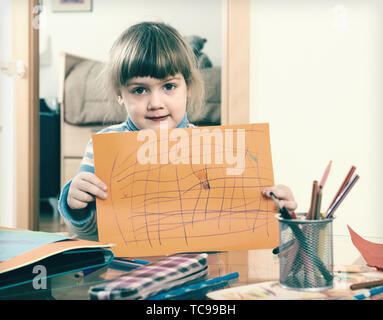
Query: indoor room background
316, 76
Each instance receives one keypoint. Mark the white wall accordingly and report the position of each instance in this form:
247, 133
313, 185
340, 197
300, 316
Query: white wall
7, 159
92, 34
317, 77
316, 74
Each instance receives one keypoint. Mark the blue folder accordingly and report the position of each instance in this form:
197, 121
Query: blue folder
20, 280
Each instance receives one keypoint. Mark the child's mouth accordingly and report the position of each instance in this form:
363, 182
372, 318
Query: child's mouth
158, 118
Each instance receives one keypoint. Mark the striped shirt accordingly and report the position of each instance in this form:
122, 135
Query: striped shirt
86, 228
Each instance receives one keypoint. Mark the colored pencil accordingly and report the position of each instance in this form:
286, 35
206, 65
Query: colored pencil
144, 262
344, 184
366, 285
310, 213
368, 294
283, 247
129, 263
276, 201
277, 204
318, 205
325, 175
285, 213
342, 196
292, 261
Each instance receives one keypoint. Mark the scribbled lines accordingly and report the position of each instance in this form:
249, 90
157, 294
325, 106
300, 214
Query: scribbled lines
163, 202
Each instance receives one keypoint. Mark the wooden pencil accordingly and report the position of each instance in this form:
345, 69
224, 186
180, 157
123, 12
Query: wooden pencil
318, 202
365, 285
310, 213
341, 197
343, 185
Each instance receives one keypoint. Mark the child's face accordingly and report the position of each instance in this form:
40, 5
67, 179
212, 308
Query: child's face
150, 101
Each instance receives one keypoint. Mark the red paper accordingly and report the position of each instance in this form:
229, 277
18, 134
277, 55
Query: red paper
371, 252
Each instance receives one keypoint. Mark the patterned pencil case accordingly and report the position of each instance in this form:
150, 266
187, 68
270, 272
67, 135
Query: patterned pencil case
165, 274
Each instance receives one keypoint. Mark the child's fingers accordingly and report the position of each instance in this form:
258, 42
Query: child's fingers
93, 179
266, 192
82, 196
280, 191
76, 204
84, 187
289, 205
93, 189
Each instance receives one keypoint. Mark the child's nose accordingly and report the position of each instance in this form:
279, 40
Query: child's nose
155, 100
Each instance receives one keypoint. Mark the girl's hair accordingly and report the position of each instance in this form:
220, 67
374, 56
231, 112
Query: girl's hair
157, 50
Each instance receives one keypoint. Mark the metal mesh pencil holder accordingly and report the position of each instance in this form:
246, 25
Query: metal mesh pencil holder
305, 254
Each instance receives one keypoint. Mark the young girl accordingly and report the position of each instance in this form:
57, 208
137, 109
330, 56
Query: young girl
152, 72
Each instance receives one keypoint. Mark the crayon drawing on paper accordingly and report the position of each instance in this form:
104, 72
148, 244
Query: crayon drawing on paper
186, 190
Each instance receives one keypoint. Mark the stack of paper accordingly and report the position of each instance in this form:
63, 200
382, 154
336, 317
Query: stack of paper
21, 251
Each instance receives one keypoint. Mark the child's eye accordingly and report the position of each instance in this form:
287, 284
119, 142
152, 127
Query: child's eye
169, 86
139, 90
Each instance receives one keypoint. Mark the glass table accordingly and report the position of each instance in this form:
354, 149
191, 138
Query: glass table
253, 266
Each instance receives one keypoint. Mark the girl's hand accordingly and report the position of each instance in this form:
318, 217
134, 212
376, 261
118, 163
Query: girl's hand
284, 194
83, 189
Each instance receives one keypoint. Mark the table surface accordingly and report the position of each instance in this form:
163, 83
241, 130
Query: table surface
252, 266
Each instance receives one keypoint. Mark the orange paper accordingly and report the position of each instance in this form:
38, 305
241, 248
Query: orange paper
186, 190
